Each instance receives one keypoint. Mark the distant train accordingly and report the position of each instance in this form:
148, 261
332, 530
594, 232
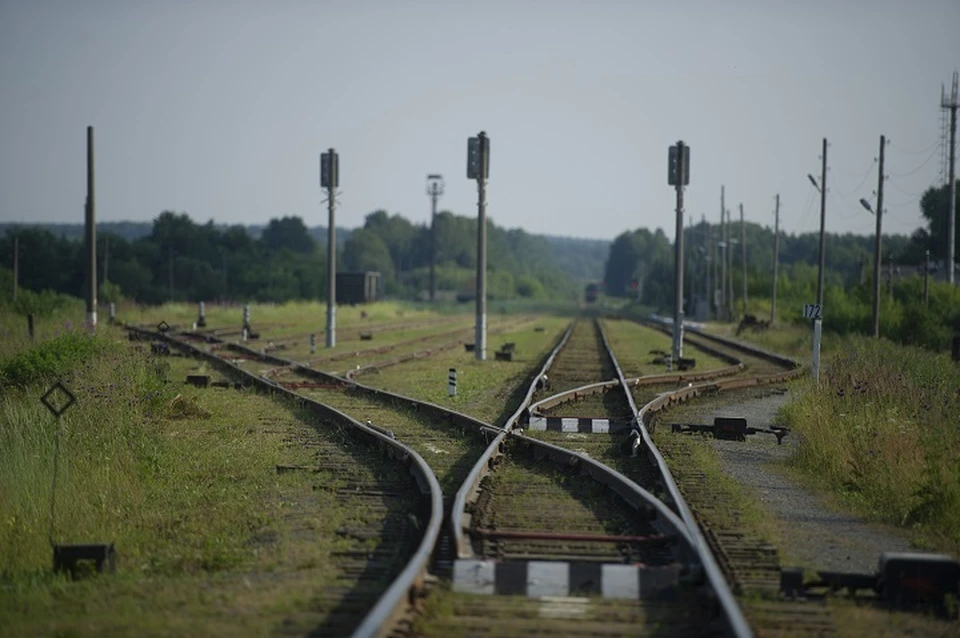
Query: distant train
591, 293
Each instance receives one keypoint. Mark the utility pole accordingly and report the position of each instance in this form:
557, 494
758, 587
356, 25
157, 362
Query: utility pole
707, 264
823, 221
478, 168
725, 238
743, 257
106, 259
926, 279
890, 277
91, 238
711, 270
729, 269
678, 176
434, 190
951, 104
818, 322
16, 265
691, 272
876, 245
330, 179
776, 259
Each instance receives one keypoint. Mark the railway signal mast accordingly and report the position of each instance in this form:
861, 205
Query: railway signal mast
678, 175
478, 168
330, 179
434, 190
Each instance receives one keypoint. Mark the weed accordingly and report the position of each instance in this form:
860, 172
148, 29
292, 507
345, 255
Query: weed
880, 430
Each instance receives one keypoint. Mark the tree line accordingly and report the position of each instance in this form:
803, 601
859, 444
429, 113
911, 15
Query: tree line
181, 260
641, 266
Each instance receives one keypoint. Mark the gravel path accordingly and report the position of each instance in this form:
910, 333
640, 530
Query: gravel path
814, 535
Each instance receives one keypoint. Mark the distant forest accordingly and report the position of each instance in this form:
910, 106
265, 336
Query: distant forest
647, 257
175, 258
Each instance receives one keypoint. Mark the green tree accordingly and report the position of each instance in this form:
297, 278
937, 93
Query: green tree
289, 233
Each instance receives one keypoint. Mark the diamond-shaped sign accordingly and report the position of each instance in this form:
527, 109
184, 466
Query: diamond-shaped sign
163, 326
58, 399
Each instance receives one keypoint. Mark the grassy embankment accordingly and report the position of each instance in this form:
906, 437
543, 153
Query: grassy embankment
880, 432
184, 486
182, 480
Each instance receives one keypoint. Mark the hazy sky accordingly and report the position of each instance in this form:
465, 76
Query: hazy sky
220, 108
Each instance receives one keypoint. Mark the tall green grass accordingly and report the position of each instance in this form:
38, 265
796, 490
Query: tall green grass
882, 430
106, 448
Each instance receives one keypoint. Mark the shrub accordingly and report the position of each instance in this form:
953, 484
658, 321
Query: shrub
49, 359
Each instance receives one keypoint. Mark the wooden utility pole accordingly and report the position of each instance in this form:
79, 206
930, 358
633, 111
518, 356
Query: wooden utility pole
823, 222
725, 238
707, 262
951, 104
16, 266
743, 257
91, 237
926, 279
106, 259
876, 245
776, 258
890, 277
711, 271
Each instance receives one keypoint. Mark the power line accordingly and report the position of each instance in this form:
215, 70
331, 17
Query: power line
806, 212
863, 180
918, 168
936, 144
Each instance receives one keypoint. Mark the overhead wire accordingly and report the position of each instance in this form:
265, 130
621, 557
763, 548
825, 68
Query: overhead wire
863, 179
918, 168
806, 212
936, 143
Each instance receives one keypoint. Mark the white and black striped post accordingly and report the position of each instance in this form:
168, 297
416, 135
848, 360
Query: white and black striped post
246, 318
313, 343
113, 313
452, 382
201, 315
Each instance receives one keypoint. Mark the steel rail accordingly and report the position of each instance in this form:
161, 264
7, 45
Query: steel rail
734, 615
455, 418
393, 601
747, 348
628, 490
471, 485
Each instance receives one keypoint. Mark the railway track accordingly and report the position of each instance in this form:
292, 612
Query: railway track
748, 564
578, 528
399, 507
541, 517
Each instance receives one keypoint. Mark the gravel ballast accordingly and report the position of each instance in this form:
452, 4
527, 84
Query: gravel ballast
813, 534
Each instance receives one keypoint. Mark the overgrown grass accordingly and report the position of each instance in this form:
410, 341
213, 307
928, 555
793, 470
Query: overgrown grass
881, 431
15, 339
632, 342
485, 389
48, 360
304, 315
183, 481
